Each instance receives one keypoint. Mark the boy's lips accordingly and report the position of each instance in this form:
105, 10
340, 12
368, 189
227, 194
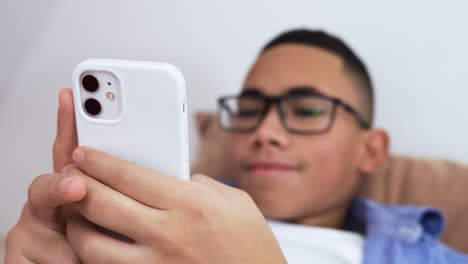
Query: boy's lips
270, 168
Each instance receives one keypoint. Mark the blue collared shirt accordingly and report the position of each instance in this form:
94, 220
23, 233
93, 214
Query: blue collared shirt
401, 234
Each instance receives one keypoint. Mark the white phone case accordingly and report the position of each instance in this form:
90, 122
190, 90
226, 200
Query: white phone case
152, 128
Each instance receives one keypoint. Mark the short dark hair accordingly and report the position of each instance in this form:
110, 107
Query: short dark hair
338, 47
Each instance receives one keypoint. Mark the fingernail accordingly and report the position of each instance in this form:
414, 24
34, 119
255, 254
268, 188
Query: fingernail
63, 185
66, 168
78, 155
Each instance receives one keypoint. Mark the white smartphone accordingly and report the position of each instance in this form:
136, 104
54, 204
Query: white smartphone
134, 110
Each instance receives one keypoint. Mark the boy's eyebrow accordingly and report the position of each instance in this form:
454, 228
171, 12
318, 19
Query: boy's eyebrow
251, 91
304, 90
298, 90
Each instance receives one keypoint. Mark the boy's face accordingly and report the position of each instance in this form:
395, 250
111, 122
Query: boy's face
292, 176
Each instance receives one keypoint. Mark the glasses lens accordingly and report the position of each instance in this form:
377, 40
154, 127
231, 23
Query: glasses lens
241, 113
308, 114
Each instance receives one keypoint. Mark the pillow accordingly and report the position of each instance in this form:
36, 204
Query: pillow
212, 150
403, 180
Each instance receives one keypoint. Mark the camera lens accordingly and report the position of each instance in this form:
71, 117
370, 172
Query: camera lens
90, 83
92, 106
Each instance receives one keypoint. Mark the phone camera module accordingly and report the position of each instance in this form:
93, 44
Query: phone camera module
90, 83
92, 106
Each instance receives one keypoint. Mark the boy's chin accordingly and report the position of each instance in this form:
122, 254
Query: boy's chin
279, 208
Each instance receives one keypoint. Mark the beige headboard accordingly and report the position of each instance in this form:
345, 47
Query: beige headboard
403, 180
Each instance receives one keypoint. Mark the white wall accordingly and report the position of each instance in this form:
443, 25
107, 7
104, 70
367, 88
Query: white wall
416, 50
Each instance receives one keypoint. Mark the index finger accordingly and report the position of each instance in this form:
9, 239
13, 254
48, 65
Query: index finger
66, 140
49, 191
144, 185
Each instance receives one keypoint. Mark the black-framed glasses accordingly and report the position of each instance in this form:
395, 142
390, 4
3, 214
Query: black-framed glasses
300, 110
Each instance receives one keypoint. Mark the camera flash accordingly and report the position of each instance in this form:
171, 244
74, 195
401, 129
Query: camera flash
110, 96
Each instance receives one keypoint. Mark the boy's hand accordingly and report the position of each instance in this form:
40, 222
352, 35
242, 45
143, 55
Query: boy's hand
169, 220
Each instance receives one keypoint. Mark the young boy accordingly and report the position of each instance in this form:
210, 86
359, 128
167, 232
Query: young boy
302, 137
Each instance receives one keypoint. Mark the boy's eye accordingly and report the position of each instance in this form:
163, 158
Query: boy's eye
308, 112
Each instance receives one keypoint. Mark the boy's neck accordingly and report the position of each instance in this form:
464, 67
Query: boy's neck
333, 218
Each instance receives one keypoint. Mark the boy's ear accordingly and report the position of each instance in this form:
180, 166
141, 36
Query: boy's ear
375, 151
